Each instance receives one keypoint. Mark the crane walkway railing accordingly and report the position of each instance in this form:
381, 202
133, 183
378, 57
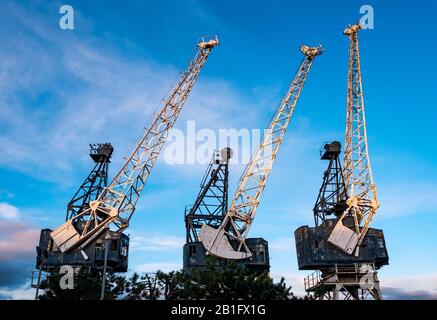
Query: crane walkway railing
338, 272
313, 280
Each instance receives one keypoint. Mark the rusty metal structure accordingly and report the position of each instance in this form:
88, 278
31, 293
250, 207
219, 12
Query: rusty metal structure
96, 255
114, 207
210, 208
314, 252
49, 257
345, 252
211, 203
228, 241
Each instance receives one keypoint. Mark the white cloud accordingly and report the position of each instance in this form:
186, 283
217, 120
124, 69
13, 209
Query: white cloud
9, 212
84, 90
410, 286
24, 292
156, 243
407, 198
412, 282
17, 240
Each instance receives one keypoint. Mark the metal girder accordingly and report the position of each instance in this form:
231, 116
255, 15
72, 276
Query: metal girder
362, 201
116, 204
95, 182
345, 282
238, 220
332, 194
211, 203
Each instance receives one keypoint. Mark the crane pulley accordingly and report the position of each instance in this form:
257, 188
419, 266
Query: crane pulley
362, 202
116, 203
228, 241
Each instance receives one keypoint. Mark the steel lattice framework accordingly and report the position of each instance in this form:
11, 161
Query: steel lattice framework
117, 202
239, 218
332, 196
211, 204
362, 202
94, 184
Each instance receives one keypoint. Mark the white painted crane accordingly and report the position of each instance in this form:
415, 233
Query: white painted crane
116, 203
228, 240
362, 202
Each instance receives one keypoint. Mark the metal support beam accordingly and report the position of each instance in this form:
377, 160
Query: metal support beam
116, 203
362, 202
241, 213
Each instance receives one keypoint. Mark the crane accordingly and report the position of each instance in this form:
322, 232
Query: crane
362, 202
210, 207
211, 203
332, 194
242, 210
344, 251
95, 182
116, 203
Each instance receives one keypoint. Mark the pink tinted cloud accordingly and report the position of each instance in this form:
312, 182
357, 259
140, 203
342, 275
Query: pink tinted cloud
17, 240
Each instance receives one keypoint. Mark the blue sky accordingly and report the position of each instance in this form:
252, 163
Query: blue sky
61, 90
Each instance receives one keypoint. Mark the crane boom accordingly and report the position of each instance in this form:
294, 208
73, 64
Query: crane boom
362, 202
116, 204
242, 210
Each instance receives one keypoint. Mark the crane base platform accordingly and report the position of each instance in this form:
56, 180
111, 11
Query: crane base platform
50, 257
345, 282
314, 252
195, 257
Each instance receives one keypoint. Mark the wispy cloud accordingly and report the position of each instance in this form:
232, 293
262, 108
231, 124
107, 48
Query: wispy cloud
390, 293
17, 240
75, 87
407, 198
410, 287
156, 243
17, 246
85, 89
9, 212
24, 292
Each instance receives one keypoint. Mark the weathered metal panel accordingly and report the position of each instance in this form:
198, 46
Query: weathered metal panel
195, 256
49, 256
315, 253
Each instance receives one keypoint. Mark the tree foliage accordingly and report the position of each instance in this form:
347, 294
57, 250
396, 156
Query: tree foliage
214, 282
87, 286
